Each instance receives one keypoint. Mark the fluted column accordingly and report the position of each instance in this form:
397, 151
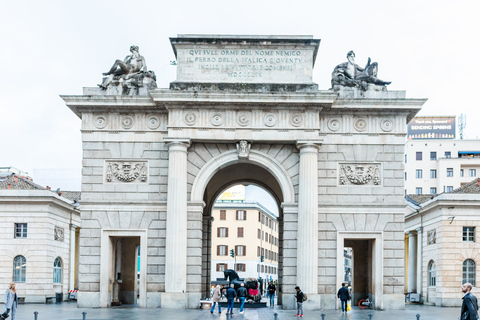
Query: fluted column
412, 262
176, 226
307, 232
419, 260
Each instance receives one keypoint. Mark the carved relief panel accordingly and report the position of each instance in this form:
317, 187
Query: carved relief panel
360, 174
126, 171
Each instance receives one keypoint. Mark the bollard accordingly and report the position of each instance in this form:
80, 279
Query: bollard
370, 316
35, 315
323, 316
418, 316
84, 315
275, 316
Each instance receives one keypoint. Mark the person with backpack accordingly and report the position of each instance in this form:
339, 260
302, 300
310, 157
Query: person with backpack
242, 295
271, 293
344, 296
231, 294
299, 297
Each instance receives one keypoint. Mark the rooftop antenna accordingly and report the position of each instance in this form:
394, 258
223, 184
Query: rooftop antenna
462, 123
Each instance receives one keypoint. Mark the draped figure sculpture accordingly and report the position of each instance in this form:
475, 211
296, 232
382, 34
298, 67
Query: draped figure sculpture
350, 74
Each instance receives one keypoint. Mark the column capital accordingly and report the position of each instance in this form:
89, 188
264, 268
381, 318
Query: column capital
302, 144
411, 233
177, 142
419, 229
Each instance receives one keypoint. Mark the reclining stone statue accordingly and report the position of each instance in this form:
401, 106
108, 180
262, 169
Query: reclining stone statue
132, 72
350, 74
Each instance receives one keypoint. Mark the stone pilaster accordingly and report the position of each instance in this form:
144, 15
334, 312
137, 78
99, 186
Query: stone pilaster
412, 262
73, 245
419, 260
307, 234
176, 225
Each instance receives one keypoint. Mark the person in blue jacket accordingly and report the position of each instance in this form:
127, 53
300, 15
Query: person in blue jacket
231, 294
11, 302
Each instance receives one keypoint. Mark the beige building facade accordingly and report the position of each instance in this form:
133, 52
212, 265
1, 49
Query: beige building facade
442, 248
39, 240
243, 109
251, 230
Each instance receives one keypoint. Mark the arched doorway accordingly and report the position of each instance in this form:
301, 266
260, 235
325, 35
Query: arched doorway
227, 170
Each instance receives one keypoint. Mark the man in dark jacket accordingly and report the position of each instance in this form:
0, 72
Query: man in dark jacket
231, 294
242, 295
271, 293
469, 306
299, 297
344, 296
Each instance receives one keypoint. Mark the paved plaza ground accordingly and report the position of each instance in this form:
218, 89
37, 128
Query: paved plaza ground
69, 311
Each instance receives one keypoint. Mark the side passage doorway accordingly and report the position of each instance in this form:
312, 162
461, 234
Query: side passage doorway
360, 259
123, 269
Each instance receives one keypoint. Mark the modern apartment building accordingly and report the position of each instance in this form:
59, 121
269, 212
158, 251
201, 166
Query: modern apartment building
434, 166
251, 230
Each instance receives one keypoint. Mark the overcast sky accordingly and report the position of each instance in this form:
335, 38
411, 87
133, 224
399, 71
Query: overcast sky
51, 48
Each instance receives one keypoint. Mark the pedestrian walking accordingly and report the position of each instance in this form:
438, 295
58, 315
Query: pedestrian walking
11, 302
242, 295
469, 305
271, 293
299, 297
231, 294
217, 295
344, 296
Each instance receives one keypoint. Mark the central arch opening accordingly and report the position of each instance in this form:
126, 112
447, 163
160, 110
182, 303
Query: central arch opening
256, 230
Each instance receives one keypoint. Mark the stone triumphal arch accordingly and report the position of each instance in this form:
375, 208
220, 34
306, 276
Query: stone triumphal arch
242, 109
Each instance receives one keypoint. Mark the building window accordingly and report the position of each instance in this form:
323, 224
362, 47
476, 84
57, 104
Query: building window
259, 234
433, 191
241, 215
240, 250
432, 275
472, 172
258, 268
449, 188
469, 234
419, 155
263, 219
240, 232
263, 233
405, 158
263, 252
469, 272
433, 155
263, 268
449, 172
258, 251
222, 232
433, 174
222, 250
19, 269
418, 174
461, 173
221, 267
448, 154
57, 271
240, 267
418, 190
259, 216
223, 214
20, 230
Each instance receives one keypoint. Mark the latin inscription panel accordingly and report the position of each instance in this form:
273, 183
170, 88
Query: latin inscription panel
254, 64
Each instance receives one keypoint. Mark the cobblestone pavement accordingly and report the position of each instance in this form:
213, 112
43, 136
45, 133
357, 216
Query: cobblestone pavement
69, 311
